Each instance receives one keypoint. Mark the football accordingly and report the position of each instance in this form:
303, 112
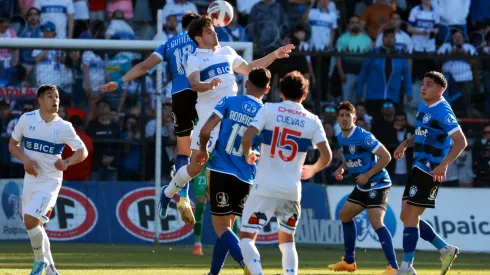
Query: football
221, 12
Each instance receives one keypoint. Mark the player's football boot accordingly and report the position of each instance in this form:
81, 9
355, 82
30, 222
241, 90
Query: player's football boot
448, 258
163, 203
343, 266
389, 271
38, 268
246, 271
51, 270
185, 210
406, 271
197, 250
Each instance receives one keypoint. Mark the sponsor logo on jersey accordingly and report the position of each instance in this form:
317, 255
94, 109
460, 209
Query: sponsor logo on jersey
421, 132
354, 163
136, 214
250, 108
370, 140
73, 216
451, 120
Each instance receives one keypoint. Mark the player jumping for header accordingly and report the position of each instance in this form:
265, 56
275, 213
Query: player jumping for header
437, 142
211, 74
365, 159
288, 130
44, 135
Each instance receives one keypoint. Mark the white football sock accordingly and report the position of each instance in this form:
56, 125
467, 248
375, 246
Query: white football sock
47, 248
179, 181
251, 256
406, 265
289, 258
37, 243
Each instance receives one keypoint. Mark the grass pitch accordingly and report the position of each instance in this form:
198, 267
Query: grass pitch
77, 259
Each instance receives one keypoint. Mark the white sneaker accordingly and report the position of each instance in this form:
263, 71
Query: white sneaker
447, 258
406, 271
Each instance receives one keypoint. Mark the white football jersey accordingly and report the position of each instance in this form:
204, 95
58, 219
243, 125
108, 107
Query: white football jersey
215, 64
288, 131
44, 143
57, 12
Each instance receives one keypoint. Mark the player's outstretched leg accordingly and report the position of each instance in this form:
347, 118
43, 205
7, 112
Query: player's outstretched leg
35, 233
411, 216
376, 217
50, 269
448, 252
200, 184
251, 255
220, 252
347, 214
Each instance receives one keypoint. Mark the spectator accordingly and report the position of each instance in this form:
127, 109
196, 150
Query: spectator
4, 117
130, 164
384, 130
384, 77
135, 92
481, 158
96, 9
459, 172
117, 66
16, 167
74, 64
82, 17
403, 41
362, 123
95, 31
4, 140
48, 62
9, 6
330, 116
25, 6
178, 8
460, 72
232, 32
323, 23
361, 112
349, 68
266, 21
31, 30
454, 14
375, 16
93, 67
486, 80
479, 11
104, 167
80, 171
8, 57
169, 29
13, 77
424, 20
403, 166
125, 6
244, 8
118, 27
59, 12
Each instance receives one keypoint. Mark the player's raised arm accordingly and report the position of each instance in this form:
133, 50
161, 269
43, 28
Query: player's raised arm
384, 159
135, 72
194, 76
264, 62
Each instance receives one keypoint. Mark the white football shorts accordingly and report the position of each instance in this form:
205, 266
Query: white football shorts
39, 198
204, 111
259, 210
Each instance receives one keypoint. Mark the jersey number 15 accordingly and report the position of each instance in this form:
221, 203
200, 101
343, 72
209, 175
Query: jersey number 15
283, 139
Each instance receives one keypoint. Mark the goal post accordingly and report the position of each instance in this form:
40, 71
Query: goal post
245, 49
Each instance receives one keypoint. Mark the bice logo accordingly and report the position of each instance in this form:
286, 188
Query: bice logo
364, 228
136, 214
73, 216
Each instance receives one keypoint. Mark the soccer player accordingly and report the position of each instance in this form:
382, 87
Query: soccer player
437, 142
44, 135
365, 159
211, 74
175, 51
287, 130
230, 175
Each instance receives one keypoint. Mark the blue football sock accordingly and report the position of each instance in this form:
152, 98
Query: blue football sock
180, 161
386, 241
232, 243
350, 236
410, 238
220, 252
427, 233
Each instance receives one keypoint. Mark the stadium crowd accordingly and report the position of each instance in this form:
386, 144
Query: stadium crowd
119, 128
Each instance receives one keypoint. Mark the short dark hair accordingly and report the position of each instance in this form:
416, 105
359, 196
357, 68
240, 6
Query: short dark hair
389, 31
44, 88
437, 77
102, 101
197, 26
395, 12
346, 105
260, 77
188, 18
401, 113
4, 104
76, 121
293, 85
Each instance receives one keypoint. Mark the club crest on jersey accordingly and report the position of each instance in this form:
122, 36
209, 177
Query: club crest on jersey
249, 108
56, 135
221, 102
372, 194
433, 193
352, 149
450, 119
369, 141
426, 118
32, 128
413, 191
